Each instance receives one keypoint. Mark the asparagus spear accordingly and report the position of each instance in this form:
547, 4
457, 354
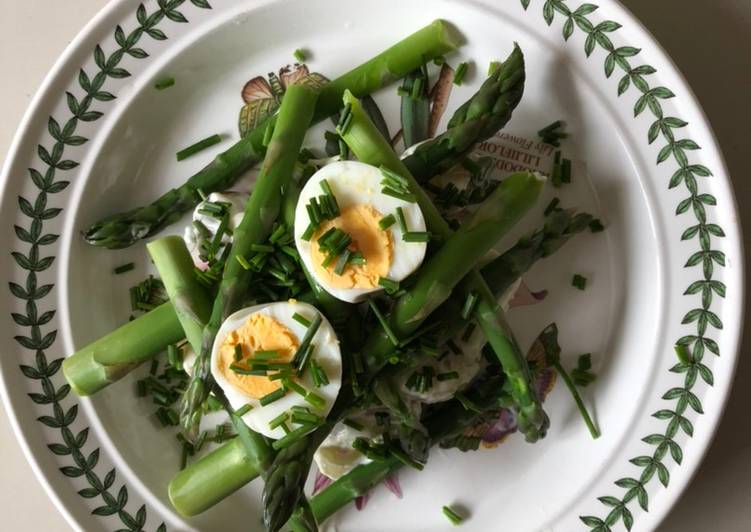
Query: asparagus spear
189, 299
124, 229
261, 211
113, 356
365, 142
478, 119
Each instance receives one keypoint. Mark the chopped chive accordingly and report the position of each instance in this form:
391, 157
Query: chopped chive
302, 320
124, 268
386, 222
326, 187
246, 371
384, 323
265, 355
399, 182
467, 403
142, 389
404, 196
164, 83
299, 55
305, 418
357, 259
551, 206
198, 146
292, 437
154, 367
173, 357
416, 236
309, 232
454, 348
401, 219
262, 247
390, 285
240, 412
273, 396
683, 354
341, 263
416, 89
566, 171
460, 72
203, 231
353, 424
469, 305
281, 375
345, 120
493, 66
243, 262
278, 420
300, 354
406, 459
595, 226
579, 281
468, 331
449, 375
452, 516
305, 359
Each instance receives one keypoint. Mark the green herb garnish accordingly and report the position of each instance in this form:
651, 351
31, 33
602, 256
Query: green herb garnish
124, 268
198, 146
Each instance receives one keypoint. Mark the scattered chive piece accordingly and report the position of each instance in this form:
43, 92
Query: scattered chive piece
291, 438
404, 196
402, 221
173, 357
273, 396
450, 375
154, 367
460, 72
353, 424
326, 187
467, 403
595, 226
345, 120
238, 352
309, 232
406, 459
384, 323
302, 320
469, 305
551, 206
452, 516
416, 236
566, 171
319, 374
305, 418
454, 348
416, 89
493, 66
164, 83
240, 412
262, 247
306, 340
198, 146
243, 262
245, 371
579, 281
124, 268
468, 331
390, 285
306, 359
278, 420
387, 221
683, 355
299, 55
265, 355
341, 263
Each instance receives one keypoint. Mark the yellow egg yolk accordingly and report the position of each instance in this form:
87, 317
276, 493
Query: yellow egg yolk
259, 333
361, 223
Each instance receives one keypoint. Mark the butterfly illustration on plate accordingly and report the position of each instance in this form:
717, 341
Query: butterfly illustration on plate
262, 95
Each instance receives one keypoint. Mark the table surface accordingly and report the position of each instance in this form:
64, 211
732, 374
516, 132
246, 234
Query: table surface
34, 32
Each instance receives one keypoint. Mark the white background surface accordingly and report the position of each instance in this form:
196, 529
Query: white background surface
709, 40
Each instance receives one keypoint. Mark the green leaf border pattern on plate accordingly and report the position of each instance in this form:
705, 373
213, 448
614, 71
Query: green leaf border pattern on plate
683, 402
54, 391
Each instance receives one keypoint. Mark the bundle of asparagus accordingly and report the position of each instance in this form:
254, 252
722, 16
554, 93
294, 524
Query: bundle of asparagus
448, 280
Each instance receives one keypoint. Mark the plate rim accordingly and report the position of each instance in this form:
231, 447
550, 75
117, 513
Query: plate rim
101, 21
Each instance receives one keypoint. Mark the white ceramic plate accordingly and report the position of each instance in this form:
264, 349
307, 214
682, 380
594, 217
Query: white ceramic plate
669, 267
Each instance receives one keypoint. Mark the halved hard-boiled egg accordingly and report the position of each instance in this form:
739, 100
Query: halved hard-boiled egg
256, 361
355, 232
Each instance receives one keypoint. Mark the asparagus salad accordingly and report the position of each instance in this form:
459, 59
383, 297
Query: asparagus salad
337, 312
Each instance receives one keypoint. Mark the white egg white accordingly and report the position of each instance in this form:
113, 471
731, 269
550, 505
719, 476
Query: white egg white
335, 457
327, 354
236, 202
356, 183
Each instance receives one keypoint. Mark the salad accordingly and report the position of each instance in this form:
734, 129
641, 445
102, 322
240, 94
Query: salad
342, 309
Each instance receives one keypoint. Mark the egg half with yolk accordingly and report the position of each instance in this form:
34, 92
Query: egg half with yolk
377, 252
268, 336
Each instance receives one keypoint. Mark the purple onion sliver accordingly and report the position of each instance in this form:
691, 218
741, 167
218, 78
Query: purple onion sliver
392, 484
361, 501
321, 482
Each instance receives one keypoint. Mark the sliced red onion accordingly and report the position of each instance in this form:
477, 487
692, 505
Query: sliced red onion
321, 482
503, 426
524, 296
361, 501
392, 484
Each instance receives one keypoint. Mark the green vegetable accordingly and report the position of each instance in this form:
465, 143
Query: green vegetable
261, 212
189, 299
460, 72
452, 516
579, 281
198, 146
113, 356
124, 268
164, 83
123, 229
415, 106
478, 119
300, 55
